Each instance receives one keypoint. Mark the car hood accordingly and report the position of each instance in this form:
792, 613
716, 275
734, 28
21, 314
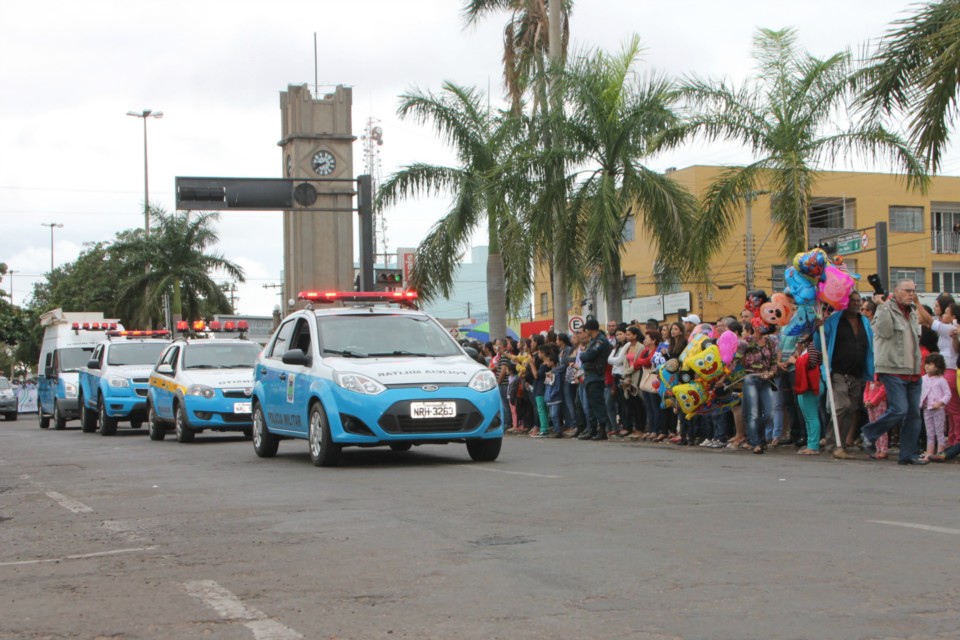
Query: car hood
220, 378
392, 371
130, 370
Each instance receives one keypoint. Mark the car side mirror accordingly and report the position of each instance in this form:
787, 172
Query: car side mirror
297, 357
93, 364
165, 369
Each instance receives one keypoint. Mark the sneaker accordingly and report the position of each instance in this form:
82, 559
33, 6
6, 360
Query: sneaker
714, 444
870, 448
540, 434
705, 443
916, 460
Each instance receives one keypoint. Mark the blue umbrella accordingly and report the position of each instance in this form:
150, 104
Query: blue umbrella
481, 332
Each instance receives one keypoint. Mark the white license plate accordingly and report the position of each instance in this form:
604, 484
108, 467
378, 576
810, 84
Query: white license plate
242, 407
420, 410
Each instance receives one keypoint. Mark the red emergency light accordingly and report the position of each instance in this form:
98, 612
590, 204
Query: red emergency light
137, 333
229, 325
358, 296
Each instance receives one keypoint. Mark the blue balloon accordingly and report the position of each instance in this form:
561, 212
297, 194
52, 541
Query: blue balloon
803, 322
800, 287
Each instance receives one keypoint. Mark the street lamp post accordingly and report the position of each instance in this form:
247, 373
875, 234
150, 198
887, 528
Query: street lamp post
52, 225
146, 113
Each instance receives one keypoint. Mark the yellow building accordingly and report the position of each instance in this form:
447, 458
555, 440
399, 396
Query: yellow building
923, 242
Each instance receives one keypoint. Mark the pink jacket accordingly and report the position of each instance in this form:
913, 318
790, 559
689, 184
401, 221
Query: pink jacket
934, 390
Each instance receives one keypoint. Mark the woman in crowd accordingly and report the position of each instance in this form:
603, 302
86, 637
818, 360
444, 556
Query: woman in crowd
760, 363
617, 360
651, 400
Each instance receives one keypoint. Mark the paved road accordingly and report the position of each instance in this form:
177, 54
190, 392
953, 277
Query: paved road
127, 538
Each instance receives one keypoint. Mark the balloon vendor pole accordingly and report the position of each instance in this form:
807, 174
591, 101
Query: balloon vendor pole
830, 396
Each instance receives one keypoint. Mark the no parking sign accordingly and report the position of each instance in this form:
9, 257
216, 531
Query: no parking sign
455, 333
575, 324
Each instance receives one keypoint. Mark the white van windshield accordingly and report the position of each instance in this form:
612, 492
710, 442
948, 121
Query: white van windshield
74, 358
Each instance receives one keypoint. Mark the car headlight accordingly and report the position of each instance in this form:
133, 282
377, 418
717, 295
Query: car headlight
70, 389
483, 381
201, 390
359, 384
118, 382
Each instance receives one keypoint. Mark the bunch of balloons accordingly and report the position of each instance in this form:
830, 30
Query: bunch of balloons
814, 277
697, 382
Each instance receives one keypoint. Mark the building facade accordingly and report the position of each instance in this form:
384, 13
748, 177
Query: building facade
923, 240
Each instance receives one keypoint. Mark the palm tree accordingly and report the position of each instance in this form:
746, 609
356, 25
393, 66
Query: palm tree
615, 116
174, 260
482, 141
915, 69
535, 43
787, 116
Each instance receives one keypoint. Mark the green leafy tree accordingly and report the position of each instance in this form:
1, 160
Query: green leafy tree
174, 260
482, 141
787, 115
615, 116
915, 70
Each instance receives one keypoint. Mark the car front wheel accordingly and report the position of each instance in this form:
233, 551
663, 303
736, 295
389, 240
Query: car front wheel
324, 452
59, 422
108, 425
88, 417
157, 430
183, 430
265, 444
484, 450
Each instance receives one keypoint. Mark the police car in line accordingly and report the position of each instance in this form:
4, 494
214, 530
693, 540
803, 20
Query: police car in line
113, 385
202, 382
371, 376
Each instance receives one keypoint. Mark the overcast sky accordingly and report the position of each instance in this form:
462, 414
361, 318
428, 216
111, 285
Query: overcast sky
71, 69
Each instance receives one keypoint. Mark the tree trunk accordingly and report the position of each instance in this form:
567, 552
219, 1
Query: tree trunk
614, 293
560, 293
496, 296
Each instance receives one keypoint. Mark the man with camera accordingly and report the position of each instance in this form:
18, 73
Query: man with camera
896, 351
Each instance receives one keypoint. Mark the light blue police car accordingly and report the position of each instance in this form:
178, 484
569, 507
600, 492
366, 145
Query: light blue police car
369, 376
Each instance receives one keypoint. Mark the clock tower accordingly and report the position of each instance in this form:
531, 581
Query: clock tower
317, 144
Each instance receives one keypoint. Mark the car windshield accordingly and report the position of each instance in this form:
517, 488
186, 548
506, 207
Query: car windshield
379, 335
4, 384
220, 356
74, 358
145, 353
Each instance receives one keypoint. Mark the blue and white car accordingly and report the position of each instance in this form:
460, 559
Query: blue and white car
201, 384
367, 377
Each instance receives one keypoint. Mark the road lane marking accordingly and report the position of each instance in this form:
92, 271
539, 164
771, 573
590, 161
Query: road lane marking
69, 503
913, 525
512, 473
81, 556
230, 607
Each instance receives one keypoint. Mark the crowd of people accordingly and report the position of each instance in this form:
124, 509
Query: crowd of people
892, 367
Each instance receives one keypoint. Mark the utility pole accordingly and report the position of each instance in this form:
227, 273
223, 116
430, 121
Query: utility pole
749, 197
230, 288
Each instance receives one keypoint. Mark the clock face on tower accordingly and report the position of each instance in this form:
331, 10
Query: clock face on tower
323, 163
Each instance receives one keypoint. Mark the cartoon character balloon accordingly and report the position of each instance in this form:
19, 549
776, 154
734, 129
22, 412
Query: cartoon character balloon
836, 288
811, 264
801, 288
803, 322
668, 375
706, 365
689, 397
778, 311
755, 299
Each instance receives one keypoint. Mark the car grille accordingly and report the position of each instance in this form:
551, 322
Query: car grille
397, 420
142, 392
237, 393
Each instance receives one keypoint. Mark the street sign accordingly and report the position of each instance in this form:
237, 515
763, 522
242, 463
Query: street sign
455, 333
575, 324
851, 243
864, 241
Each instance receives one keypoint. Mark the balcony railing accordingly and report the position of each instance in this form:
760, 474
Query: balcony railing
945, 241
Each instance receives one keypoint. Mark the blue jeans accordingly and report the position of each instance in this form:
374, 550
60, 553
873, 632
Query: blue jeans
569, 404
555, 408
506, 417
784, 404
655, 418
585, 405
757, 408
903, 403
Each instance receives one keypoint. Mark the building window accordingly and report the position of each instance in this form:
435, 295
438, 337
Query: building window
832, 213
629, 233
945, 228
777, 280
908, 273
945, 281
906, 219
630, 286
544, 301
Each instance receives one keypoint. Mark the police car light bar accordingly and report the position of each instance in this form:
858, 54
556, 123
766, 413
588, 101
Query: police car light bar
407, 297
93, 326
215, 326
153, 333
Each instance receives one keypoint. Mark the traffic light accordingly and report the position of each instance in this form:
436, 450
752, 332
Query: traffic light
829, 247
388, 279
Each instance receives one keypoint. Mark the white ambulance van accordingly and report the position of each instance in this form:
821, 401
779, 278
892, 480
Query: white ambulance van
69, 339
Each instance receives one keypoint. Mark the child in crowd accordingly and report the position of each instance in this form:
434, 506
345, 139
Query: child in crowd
875, 402
806, 384
933, 398
553, 394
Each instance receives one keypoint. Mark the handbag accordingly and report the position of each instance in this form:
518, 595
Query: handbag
648, 381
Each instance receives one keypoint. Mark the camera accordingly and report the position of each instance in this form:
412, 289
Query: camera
874, 280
